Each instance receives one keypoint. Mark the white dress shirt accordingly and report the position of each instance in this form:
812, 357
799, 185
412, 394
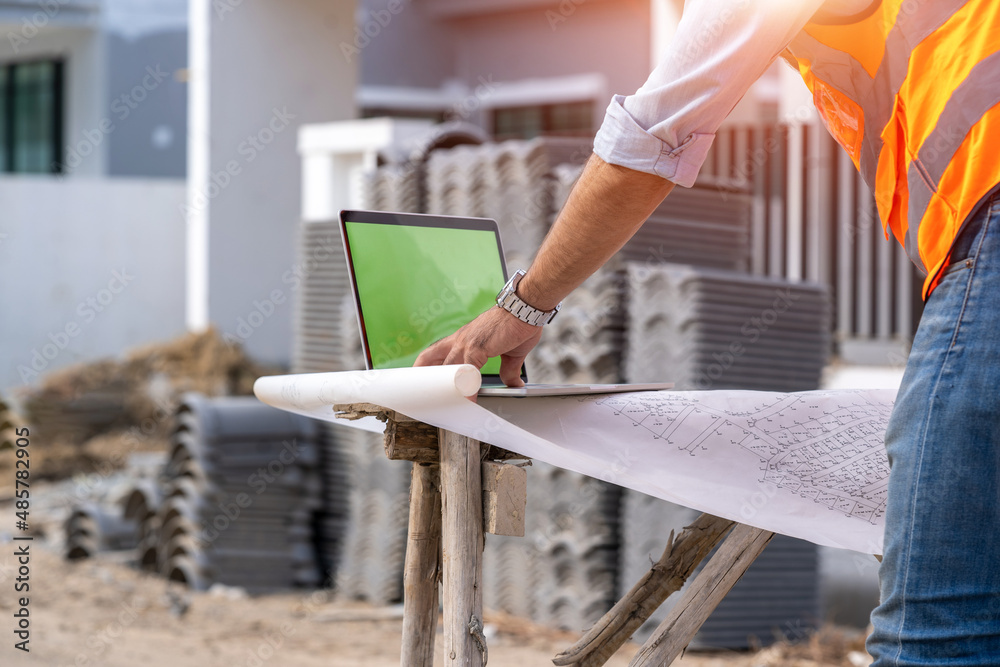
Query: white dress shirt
721, 47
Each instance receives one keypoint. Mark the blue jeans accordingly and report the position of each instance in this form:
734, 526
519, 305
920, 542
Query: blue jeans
940, 576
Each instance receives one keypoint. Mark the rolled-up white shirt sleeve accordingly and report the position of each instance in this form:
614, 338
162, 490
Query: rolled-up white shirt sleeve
721, 47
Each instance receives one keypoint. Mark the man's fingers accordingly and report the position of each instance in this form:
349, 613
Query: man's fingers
510, 370
435, 354
464, 355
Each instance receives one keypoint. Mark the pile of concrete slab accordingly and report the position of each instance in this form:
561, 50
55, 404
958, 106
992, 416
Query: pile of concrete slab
393, 187
93, 527
140, 507
778, 595
8, 426
374, 541
564, 571
712, 329
104, 515
240, 492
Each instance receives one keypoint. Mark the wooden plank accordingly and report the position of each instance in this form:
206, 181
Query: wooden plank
666, 576
462, 550
422, 568
505, 495
724, 569
407, 439
360, 410
411, 441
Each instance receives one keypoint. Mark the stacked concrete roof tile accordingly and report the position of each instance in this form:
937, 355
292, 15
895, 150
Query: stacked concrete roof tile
563, 572
710, 329
778, 595
371, 566
584, 342
140, 506
321, 286
93, 527
8, 426
239, 495
393, 187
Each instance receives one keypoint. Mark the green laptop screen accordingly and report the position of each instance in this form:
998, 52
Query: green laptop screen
419, 284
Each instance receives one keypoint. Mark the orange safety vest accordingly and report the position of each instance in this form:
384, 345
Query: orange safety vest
910, 89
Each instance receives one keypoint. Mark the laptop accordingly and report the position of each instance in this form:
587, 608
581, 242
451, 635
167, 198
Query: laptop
417, 278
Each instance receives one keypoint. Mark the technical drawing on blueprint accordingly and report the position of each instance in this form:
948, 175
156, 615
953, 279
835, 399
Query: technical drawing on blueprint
807, 464
826, 452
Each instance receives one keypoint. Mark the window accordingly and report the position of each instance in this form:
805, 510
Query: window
573, 119
31, 117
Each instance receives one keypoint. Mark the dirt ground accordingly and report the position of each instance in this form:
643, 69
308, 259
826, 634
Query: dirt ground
103, 612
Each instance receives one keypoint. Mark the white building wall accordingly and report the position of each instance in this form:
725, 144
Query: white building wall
88, 268
257, 72
86, 107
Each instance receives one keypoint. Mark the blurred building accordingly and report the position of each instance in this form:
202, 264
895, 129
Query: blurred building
93, 128
517, 68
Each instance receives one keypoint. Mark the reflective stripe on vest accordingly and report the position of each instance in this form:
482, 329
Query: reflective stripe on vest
921, 122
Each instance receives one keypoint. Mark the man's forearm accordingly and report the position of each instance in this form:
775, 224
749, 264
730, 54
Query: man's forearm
606, 207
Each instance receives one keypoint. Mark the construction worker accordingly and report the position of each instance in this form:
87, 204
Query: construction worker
910, 90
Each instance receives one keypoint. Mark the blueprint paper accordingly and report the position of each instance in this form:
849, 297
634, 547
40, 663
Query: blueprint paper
811, 465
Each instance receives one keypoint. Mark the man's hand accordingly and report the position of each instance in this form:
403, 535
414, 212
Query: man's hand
495, 332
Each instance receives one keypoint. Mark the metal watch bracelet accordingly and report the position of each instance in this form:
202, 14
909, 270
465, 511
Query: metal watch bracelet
508, 299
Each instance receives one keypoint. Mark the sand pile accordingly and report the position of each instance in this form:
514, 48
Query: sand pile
90, 417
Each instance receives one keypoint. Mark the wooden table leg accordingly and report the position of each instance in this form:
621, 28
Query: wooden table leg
422, 569
723, 570
681, 556
462, 550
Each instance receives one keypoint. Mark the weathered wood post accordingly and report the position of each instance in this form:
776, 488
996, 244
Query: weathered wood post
422, 569
462, 550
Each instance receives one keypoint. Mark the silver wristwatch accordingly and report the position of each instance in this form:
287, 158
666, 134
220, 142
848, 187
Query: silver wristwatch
512, 303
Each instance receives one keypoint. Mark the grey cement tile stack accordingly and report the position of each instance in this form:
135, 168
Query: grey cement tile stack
564, 571
105, 516
706, 227
702, 226
95, 526
240, 494
583, 344
393, 187
140, 505
778, 595
319, 283
8, 426
710, 329
371, 567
